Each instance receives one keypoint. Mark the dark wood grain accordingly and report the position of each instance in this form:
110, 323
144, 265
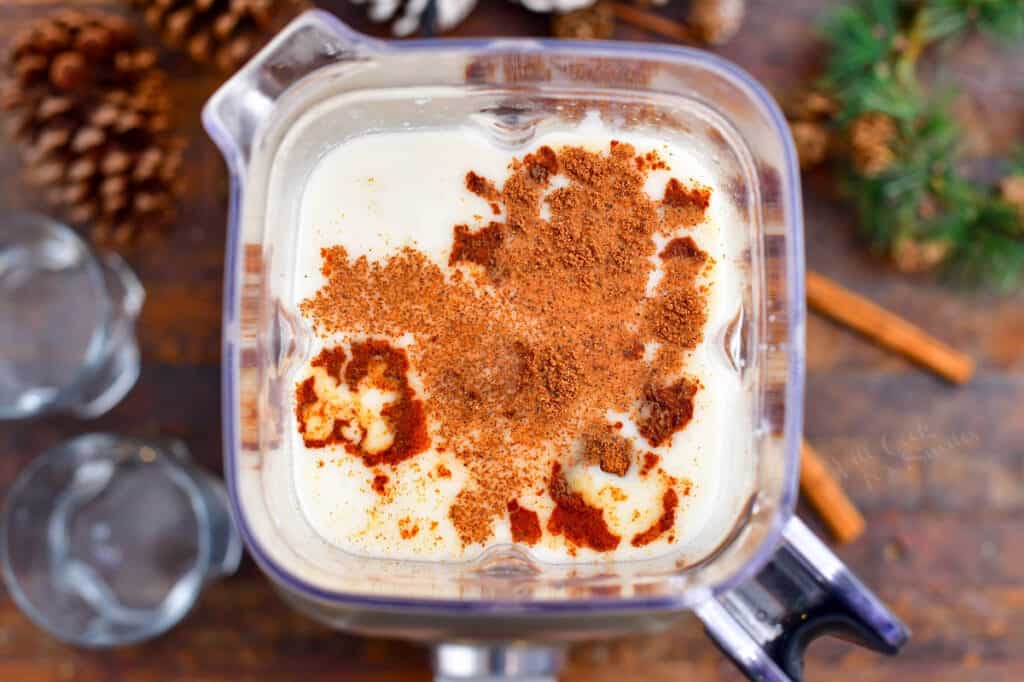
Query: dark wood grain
938, 470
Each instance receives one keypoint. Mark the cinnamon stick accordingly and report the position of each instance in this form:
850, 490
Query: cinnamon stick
653, 23
824, 493
886, 328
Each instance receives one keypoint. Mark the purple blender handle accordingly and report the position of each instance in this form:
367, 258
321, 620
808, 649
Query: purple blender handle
802, 593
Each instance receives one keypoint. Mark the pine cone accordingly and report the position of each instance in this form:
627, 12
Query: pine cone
910, 255
225, 32
716, 21
811, 106
596, 22
871, 138
1011, 188
811, 141
92, 116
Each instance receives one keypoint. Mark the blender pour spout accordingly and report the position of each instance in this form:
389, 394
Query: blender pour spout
238, 110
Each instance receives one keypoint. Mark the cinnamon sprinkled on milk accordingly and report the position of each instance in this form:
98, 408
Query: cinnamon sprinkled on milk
509, 378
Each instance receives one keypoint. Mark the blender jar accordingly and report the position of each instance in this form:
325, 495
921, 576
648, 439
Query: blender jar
762, 583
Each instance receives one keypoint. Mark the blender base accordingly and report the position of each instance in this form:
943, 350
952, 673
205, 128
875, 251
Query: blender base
520, 661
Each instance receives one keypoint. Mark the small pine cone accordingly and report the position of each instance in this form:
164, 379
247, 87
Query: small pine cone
73, 52
811, 106
928, 208
93, 123
224, 32
716, 21
596, 22
871, 138
811, 141
910, 255
1012, 190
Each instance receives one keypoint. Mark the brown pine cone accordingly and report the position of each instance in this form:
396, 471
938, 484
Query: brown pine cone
224, 32
910, 255
596, 22
811, 106
716, 21
1011, 188
871, 139
73, 52
811, 140
92, 116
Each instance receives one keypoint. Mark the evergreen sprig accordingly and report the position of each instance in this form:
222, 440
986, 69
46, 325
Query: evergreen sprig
917, 195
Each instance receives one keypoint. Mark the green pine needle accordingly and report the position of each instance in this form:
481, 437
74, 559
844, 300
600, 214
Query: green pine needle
921, 195
1001, 19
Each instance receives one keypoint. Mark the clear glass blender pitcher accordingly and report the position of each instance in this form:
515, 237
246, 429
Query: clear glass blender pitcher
763, 588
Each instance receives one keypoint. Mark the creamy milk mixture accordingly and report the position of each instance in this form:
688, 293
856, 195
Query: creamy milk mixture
379, 193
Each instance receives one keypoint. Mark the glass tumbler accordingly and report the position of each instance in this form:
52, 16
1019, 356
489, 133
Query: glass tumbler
109, 540
67, 319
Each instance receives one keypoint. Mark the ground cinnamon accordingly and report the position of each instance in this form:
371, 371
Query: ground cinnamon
525, 524
386, 368
664, 523
535, 336
651, 460
582, 524
666, 409
611, 452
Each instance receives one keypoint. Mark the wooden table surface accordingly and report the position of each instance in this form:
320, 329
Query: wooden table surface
938, 470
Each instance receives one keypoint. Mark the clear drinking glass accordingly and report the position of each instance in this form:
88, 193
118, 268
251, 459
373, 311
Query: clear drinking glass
67, 319
109, 540
762, 583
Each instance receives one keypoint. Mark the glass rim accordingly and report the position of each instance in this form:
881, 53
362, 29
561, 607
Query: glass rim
194, 578
94, 356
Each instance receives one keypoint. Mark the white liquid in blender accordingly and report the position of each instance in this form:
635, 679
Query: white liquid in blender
378, 194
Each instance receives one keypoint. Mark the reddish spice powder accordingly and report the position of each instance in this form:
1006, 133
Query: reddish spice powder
407, 529
669, 502
651, 460
665, 410
650, 161
332, 360
582, 525
610, 451
683, 247
678, 196
525, 524
443, 472
380, 482
481, 187
405, 415
478, 247
684, 206
634, 351
543, 370
306, 401
678, 314
305, 397
542, 163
